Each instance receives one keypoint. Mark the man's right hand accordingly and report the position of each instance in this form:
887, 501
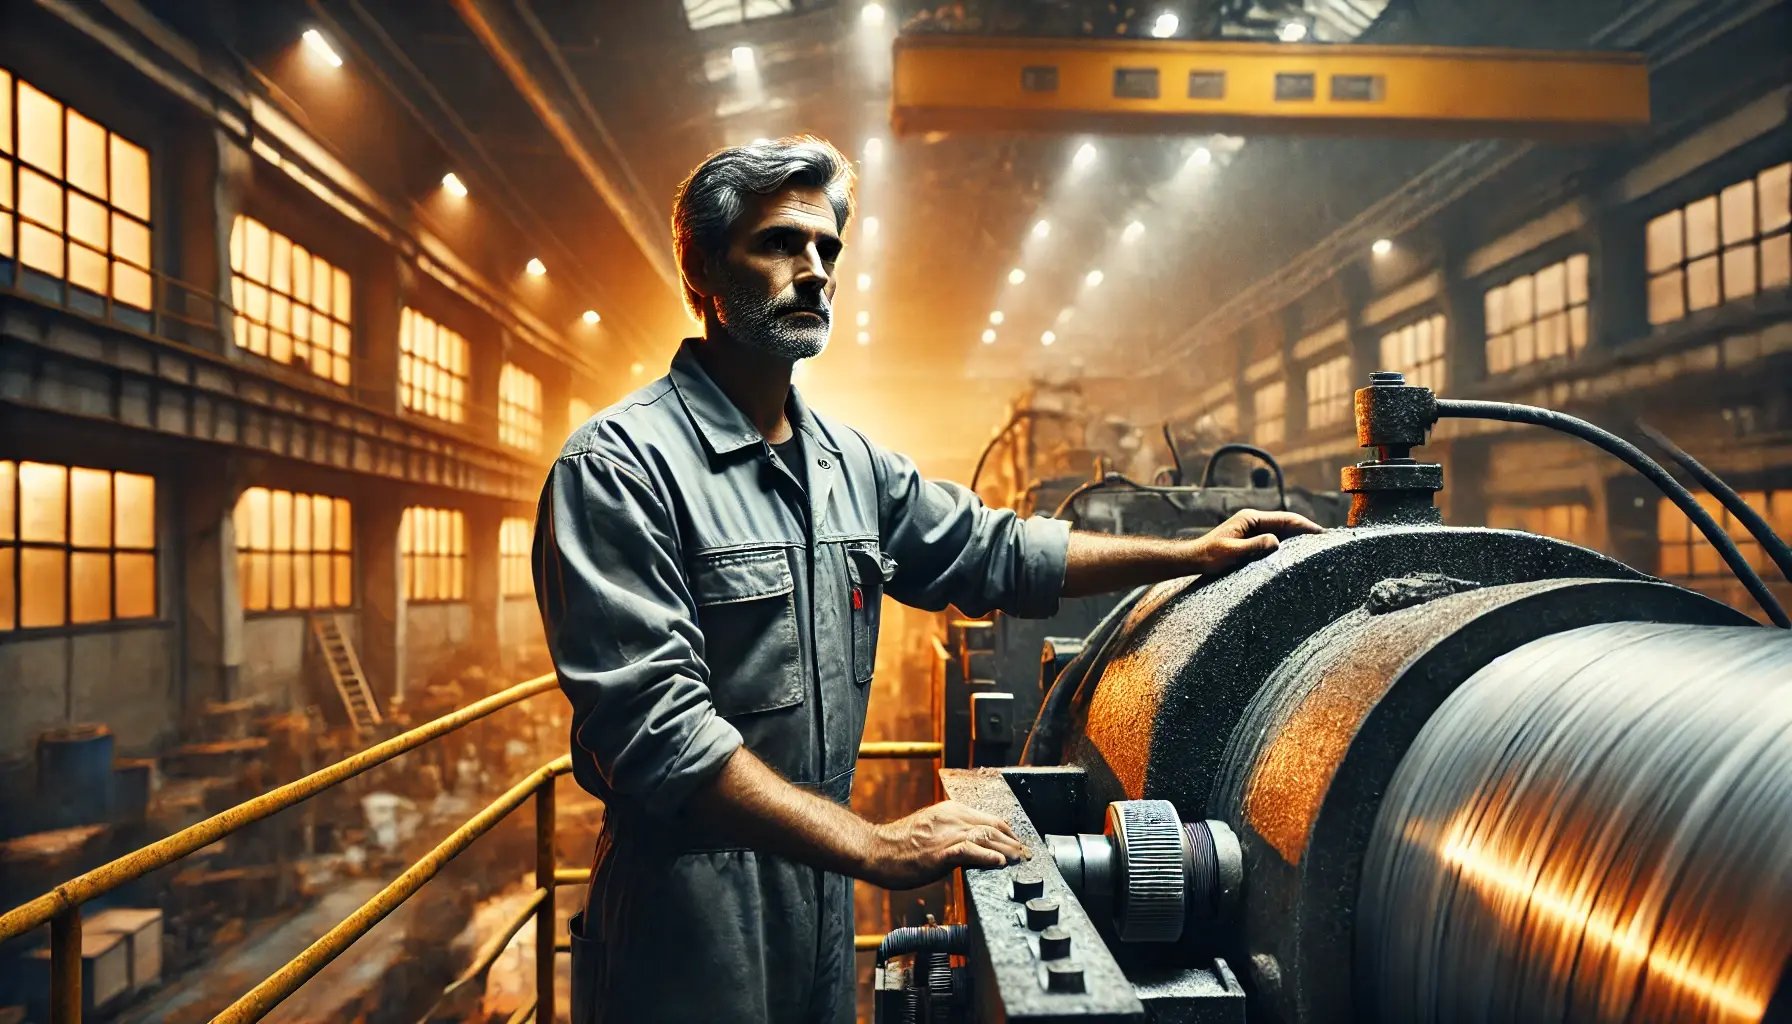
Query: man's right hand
917, 849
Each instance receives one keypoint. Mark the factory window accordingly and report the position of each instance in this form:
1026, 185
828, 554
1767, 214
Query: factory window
432, 368
77, 546
1722, 247
291, 305
1569, 521
519, 408
433, 542
74, 199
1538, 317
1269, 410
1684, 555
293, 551
513, 558
1417, 350
1329, 395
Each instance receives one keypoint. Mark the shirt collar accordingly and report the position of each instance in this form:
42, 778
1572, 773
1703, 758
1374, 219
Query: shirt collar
723, 426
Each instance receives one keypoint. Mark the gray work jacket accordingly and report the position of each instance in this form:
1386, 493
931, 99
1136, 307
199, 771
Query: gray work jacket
699, 594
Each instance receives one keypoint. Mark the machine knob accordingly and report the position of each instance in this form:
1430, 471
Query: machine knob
1054, 943
1028, 885
1064, 976
1041, 914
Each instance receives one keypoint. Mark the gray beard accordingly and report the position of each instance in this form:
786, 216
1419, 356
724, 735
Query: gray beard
759, 323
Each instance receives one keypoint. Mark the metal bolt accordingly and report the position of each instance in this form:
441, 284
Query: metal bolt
1028, 885
1041, 914
1064, 976
1386, 377
1054, 943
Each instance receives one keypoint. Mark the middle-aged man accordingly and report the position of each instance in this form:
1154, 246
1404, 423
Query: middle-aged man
710, 557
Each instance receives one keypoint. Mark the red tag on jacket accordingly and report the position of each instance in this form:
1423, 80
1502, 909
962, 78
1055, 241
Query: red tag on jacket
858, 599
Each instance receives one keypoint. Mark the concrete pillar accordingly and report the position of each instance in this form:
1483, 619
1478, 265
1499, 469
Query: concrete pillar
1360, 340
1617, 278
1465, 316
1294, 376
227, 195
382, 597
381, 293
210, 592
484, 591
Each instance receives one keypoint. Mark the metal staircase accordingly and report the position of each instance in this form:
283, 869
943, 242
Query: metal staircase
345, 672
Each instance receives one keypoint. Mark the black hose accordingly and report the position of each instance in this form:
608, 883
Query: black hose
1110, 479
1175, 456
1750, 519
1247, 449
1611, 443
1046, 739
951, 938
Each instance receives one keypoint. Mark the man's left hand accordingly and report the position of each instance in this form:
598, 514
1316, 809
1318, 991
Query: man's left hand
1246, 537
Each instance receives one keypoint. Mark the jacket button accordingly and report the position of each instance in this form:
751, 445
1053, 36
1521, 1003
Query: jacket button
824, 464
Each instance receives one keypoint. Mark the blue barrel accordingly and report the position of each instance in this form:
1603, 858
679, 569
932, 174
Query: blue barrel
74, 776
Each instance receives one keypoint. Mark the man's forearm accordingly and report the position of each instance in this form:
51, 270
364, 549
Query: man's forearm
755, 806
1099, 563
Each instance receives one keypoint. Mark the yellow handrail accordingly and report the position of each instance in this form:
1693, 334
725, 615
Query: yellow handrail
900, 749
136, 864
264, 997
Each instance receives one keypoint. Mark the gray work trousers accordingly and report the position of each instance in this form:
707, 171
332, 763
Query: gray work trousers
711, 935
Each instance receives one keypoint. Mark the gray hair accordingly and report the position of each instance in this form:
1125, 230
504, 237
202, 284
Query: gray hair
709, 202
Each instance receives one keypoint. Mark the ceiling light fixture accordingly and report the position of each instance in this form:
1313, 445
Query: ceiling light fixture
996, 318
1085, 155
872, 14
1382, 247
636, 369
454, 185
1166, 25
591, 318
1291, 31
1065, 314
874, 149
1093, 278
744, 60
1016, 276
864, 317
320, 47
870, 227
536, 268
864, 337
1048, 337
989, 335
1202, 156
864, 282
1132, 232
1042, 228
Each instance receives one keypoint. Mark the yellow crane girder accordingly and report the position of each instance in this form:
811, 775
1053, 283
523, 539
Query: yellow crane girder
978, 83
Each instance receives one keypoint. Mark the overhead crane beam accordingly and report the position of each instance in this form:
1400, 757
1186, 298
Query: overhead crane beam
979, 83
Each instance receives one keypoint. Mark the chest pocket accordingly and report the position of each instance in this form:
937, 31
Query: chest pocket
746, 607
868, 569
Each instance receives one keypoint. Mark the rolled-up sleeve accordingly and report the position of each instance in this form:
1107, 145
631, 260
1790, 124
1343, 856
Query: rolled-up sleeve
621, 628
950, 548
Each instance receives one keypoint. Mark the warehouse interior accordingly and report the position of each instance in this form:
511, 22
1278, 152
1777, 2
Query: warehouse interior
301, 299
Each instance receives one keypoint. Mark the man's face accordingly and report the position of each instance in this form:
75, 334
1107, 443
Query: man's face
775, 287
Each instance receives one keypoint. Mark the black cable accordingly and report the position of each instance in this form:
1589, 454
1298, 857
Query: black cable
1175, 456
951, 938
1110, 479
1247, 449
1611, 443
1757, 527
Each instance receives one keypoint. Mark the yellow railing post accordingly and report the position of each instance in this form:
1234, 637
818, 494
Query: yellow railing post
544, 915
65, 967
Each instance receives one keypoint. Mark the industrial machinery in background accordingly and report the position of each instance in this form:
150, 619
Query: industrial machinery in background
1399, 772
997, 668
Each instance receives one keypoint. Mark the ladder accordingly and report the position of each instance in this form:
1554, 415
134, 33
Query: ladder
345, 672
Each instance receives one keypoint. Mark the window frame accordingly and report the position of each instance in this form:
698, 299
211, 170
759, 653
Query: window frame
519, 425
515, 564
408, 575
412, 394
1531, 268
13, 629
1411, 320
243, 550
1681, 267
1344, 400
242, 318
14, 221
